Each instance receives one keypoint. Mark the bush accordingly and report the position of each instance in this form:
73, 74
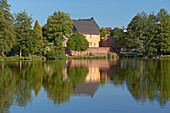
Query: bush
113, 56
91, 54
108, 55
12, 58
35, 58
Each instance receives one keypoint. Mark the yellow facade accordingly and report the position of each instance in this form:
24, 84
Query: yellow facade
93, 39
93, 75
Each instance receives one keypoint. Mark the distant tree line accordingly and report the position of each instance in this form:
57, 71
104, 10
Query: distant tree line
146, 33
17, 36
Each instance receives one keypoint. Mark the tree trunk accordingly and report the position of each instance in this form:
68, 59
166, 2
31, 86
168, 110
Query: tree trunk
20, 65
2, 53
20, 53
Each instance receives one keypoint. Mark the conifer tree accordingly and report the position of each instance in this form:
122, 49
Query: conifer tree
7, 34
24, 34
151, 34
135, 33
163, 32
38, 37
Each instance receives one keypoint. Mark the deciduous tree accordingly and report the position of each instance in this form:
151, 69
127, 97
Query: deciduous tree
77, 42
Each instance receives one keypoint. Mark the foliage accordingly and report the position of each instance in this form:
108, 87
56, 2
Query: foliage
163, 31
77, 42
109, 55
7, 34
103, 32
39, 38
58, 26
91, 54
52, 52
135, 33
120, 36
147, 34
25, 41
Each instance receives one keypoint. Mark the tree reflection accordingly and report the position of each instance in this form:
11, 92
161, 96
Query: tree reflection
145, 79
58, 90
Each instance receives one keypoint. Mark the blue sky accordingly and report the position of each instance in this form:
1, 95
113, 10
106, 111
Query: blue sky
107, 13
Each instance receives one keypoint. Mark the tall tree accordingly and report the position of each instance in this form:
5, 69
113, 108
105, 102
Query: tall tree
120, 37
163, 31
151, 34
77, 42
58, 26
24, 33
135, 33
7, 34
38, 37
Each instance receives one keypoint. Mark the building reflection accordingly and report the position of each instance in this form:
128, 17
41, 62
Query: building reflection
97, 70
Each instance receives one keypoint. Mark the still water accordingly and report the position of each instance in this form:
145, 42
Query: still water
85, 86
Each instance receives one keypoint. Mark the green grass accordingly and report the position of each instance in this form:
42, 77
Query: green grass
15, 58
140, 55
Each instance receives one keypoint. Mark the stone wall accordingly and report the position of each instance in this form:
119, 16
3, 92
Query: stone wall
96, 51
107, 41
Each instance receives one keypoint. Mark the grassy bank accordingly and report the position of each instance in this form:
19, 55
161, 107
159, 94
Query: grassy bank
15, 58
139, 55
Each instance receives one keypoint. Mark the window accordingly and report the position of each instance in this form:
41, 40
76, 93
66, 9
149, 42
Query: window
95, 36
91, 36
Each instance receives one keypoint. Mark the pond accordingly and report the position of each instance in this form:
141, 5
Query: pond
85, 86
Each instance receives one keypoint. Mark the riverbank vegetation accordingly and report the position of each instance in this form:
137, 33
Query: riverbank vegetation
19, 39
145, 34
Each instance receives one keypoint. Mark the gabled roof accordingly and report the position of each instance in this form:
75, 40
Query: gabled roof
86, 26
86, 88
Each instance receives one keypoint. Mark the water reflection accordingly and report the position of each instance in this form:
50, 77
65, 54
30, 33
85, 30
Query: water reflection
145, 80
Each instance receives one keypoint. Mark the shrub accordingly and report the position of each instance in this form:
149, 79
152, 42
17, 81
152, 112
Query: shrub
91, 54
35, 58
108, 55
113, 56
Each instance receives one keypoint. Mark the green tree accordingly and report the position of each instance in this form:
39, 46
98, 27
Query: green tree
77, 42
135, 33
25, 41
163, 31
151, 34
39, 37
103, 32
58, 26
120, 37
7, 34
